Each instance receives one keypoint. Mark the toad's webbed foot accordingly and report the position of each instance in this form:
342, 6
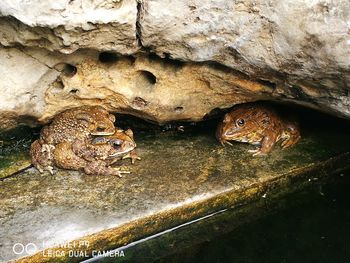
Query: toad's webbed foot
290, 141
227, 142
118, 172
50, 169
42, 169
285, 143
133, 156
257, 152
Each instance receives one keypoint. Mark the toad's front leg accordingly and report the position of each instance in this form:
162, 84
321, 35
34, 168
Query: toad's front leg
42, 157
267, 144
133, 156
85, 150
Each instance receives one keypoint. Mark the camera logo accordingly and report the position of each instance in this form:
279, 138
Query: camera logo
20, 249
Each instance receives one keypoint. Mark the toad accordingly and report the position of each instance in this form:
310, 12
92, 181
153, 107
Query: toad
78, 123
69, 126
258, 125
93, 156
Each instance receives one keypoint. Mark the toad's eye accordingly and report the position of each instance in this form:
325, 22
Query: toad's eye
100, 129
99, 140
240, 122
117, 144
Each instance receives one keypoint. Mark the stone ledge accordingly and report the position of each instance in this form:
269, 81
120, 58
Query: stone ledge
180, 178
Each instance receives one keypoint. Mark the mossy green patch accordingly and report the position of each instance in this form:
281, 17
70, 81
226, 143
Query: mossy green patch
14, 150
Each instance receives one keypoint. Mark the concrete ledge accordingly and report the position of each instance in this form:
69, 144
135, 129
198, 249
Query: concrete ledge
181, 177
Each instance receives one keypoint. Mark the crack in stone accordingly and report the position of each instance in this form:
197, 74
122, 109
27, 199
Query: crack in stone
35, 58
139, 16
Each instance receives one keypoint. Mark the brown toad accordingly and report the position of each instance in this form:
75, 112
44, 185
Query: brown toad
258, 125
78, 123
94, 156
69, 126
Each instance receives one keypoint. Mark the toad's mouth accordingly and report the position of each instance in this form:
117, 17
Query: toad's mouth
128, 147
102, 133
231, 136
119, 153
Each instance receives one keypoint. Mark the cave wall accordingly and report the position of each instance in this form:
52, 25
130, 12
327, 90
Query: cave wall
171, 60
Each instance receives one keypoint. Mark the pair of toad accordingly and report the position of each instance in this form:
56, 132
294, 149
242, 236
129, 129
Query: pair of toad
83, 138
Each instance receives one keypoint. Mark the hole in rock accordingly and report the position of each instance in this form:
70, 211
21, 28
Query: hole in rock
167, 61
268, 83
147, 77
179, 109
131, 59
57, 87
74, 91
59, 84
139, 103
107, 57
69, 70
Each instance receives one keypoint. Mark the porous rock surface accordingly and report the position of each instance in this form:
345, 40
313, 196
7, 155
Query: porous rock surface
68, 25
210, 54
142, 85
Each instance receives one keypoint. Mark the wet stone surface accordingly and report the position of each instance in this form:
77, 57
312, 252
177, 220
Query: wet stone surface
14, 153
191, 174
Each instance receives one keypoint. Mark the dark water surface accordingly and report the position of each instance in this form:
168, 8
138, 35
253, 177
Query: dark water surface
314, 226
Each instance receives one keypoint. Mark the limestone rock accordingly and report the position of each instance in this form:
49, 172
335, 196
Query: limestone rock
23, 82
304, 45
301, 38
66, 25
210, 55
144, 86
40, 84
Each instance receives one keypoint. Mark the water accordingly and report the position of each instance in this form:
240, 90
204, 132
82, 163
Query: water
314, 226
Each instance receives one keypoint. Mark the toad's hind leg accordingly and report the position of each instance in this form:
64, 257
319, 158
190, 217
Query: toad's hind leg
290, 141
291, 135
